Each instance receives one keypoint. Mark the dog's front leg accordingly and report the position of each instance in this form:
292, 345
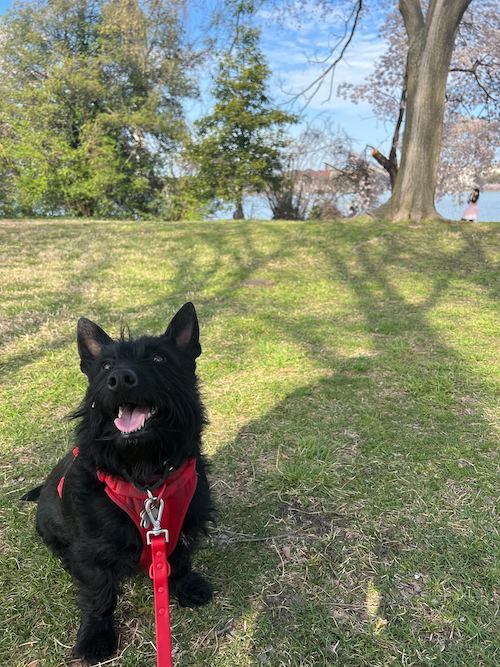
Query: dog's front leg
97, 639
189, 587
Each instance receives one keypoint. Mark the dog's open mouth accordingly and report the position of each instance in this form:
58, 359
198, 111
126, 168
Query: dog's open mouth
132, 418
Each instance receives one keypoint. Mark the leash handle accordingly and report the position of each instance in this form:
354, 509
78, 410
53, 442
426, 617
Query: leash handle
159, 571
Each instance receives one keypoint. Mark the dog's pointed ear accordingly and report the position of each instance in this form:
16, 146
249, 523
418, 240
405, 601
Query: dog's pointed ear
184, 331
91, 339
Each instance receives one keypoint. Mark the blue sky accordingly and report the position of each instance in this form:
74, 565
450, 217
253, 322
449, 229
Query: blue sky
290, 50
289, 47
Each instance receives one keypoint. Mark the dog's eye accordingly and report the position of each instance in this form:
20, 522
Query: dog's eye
107, 365
157, 358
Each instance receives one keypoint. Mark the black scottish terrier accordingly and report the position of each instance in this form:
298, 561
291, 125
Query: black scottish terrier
141, 421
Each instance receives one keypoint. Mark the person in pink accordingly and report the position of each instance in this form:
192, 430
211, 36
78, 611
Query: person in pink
472, 210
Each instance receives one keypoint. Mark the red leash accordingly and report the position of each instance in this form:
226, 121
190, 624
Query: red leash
159, 571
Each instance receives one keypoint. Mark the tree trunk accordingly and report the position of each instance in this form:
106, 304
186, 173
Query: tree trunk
431, 40
239, 213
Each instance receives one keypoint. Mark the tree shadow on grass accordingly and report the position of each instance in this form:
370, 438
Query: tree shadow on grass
339, 544
71, 298
376, 482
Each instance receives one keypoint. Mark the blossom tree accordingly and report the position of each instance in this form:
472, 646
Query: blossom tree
322, 176
471, 113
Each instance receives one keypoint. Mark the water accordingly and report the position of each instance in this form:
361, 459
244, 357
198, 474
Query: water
489, 207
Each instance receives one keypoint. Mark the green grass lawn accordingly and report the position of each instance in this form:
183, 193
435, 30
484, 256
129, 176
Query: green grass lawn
350, 371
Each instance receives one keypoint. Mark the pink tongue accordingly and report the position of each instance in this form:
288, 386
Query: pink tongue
131, 419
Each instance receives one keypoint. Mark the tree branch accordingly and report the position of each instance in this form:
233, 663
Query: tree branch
413, 18
380, 158
399, 122
473, 70
390, 164
318, 81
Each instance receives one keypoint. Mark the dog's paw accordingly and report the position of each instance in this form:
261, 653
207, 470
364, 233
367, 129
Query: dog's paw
192, 590
96, 642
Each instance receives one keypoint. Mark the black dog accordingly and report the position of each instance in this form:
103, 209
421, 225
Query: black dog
141, 421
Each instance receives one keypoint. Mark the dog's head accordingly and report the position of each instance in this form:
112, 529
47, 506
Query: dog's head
142, 400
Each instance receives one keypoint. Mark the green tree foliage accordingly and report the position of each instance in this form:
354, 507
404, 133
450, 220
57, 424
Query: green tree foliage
90, 105
238, 146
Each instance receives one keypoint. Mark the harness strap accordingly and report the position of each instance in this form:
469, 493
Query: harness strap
60, 486
159, 573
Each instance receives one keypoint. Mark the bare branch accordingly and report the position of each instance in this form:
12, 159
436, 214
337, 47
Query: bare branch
473, 70
319, 80
397, 128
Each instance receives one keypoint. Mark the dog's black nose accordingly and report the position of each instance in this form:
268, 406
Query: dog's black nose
122, 379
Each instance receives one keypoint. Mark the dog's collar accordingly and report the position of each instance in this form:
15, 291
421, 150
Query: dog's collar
150, 487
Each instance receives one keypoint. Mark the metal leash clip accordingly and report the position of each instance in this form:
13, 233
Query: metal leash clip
151, 516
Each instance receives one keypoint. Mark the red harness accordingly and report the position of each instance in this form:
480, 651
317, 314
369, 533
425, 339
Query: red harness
176, 492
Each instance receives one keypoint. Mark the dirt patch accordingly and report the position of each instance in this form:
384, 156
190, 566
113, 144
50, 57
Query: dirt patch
318, 522
256, 282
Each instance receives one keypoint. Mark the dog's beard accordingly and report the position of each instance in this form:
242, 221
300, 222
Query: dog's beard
141, 455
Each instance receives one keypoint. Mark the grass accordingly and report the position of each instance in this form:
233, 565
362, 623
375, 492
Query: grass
350, 371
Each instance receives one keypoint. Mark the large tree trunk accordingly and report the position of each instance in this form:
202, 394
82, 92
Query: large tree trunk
431, 40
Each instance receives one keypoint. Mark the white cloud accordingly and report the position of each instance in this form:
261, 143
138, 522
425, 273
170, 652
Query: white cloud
293, 73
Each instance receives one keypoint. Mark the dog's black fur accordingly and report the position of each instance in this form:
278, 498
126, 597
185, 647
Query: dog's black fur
96, 540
